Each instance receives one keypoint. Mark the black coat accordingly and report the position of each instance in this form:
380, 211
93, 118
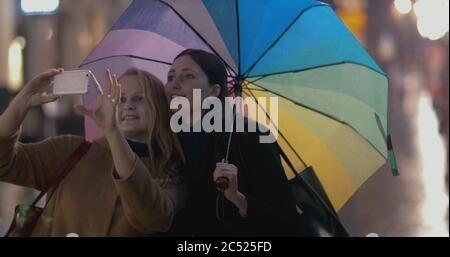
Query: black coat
261, 178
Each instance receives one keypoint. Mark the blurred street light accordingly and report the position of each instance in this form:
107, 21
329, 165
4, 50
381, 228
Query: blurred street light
15, 64
42, 7
432, 18
353, 14
387, 49
403, 6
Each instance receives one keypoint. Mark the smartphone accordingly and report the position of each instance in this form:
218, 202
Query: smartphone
72, 82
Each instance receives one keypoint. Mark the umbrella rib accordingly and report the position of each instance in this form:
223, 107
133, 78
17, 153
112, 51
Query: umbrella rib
259, 77
297, 103
229, 72
137, 57
198, 34
279, 38
279, 132
322, 113
257, 89
238, 36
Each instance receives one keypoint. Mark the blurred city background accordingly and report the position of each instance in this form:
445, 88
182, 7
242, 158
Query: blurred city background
408, 38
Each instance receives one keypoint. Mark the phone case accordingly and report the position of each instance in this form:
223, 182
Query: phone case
71, 82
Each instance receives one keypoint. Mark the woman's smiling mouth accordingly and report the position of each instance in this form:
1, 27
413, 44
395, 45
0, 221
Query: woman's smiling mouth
130, 117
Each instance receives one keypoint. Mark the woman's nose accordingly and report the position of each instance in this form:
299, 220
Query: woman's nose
129, 105
176, 83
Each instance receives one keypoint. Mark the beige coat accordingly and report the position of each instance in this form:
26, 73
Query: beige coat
90, 201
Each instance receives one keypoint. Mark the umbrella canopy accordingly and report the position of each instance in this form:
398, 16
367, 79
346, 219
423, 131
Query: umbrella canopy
333, 97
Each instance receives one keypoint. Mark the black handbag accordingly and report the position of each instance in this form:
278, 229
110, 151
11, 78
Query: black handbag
317, 217
27, 216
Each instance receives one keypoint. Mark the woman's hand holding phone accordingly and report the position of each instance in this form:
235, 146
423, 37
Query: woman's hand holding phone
34, 93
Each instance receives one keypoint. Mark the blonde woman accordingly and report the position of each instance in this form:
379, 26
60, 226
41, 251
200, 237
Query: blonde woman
127, 184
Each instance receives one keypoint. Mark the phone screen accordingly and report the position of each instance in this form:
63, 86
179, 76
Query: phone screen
72, 82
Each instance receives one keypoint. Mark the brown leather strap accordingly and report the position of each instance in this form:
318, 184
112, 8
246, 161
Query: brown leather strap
65, 169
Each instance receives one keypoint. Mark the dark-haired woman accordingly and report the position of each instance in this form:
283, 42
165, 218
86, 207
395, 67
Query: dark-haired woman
258, 200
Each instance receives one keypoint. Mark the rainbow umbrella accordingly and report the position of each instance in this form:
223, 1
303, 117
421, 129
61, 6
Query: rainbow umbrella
333, 97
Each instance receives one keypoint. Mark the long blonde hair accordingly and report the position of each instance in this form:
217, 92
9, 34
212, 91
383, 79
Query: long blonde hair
166, 162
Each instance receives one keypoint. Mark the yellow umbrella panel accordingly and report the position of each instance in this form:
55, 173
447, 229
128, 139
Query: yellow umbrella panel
341, 157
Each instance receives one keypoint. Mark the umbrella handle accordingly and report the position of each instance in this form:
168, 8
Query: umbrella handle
221, 183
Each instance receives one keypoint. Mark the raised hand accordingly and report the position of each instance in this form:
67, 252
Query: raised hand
34, 92
105, 114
